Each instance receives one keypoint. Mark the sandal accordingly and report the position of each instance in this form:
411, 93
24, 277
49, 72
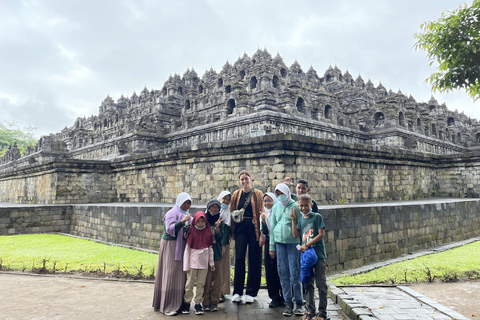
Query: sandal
318, 317
308, 316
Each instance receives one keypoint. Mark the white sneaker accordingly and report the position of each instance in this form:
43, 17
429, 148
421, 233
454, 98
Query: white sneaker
249, 299
237, 298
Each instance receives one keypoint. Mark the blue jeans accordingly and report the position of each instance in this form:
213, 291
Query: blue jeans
288, 266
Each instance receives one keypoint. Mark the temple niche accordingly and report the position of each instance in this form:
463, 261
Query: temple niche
254, 93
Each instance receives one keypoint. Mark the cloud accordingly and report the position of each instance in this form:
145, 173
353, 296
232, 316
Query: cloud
60, 59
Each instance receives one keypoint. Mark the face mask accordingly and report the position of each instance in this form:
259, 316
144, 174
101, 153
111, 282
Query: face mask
282, 198
199, 228
309, 212
185, 212
267, 211
224, 206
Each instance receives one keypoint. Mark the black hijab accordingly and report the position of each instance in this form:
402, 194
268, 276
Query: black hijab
213, 218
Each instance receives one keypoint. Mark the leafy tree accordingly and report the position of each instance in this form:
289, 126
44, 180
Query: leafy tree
453, 42
11, 132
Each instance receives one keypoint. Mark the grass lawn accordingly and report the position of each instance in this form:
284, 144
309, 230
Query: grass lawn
58, 253
451, 265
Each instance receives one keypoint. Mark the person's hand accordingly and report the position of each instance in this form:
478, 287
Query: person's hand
223, 250
263, 216
185, 236
217, 223
212, 268
288, 181
292, 215
272, 254
261, 241
186, 218
303, 248
187, 271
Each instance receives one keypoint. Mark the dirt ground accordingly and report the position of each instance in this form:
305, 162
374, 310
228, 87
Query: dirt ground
461, 296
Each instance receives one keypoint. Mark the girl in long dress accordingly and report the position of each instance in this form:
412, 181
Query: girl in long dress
170, 278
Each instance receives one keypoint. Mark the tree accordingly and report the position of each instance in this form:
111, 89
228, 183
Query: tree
453, 42
10, 132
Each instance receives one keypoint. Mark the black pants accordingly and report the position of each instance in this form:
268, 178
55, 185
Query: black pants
245, 236
271, 274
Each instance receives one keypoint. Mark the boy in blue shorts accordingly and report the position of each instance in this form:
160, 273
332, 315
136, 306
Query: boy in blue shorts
311, 228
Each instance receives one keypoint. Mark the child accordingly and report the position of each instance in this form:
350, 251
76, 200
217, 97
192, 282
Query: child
311, 228
271, 273
197, 257
170, 279
211, 294
225, 197
283, 248
301, 188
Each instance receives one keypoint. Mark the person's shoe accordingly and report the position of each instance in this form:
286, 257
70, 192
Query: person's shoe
275, 303
198, 309
171, 313
186, 307
237, 298
222, 299
288, 311
207, 308
213, 307
300, 310
249, 299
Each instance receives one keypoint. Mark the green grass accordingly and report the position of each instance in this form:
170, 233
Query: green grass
451, 265
58, 253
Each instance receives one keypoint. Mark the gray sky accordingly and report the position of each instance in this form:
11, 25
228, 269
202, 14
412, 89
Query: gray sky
59, 59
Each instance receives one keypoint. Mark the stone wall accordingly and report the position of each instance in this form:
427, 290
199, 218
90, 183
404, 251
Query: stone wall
338, 173
35, 219
355, 234
364, 234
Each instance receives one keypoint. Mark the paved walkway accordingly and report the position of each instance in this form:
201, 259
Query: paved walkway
389, 303
25, 296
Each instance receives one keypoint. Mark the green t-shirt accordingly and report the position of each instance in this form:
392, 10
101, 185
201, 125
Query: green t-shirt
308, 228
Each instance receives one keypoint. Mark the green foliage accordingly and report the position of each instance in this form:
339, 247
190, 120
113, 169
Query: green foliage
11, 132
453, 42
57, 253
451, 265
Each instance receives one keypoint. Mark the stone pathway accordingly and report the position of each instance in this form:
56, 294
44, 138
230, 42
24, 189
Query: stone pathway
389, 303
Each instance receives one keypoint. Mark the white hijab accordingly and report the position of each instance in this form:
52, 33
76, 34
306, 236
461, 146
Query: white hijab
283, 188
267, 211
181, 198
274, 198
225, 213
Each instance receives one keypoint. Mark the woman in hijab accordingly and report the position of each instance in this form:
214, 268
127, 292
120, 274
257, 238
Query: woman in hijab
225, 197
170, 278
271, 273
282, 247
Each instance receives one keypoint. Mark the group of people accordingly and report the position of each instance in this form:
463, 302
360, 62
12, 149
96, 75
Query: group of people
195, 251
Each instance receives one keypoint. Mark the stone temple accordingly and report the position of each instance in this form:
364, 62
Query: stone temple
113, 176
353, 141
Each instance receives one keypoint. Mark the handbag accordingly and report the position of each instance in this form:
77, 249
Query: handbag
237, 215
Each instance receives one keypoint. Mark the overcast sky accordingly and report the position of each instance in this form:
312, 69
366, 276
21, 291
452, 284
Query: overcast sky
60, 59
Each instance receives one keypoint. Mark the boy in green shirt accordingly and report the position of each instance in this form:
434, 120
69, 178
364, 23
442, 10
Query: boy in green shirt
311, 229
